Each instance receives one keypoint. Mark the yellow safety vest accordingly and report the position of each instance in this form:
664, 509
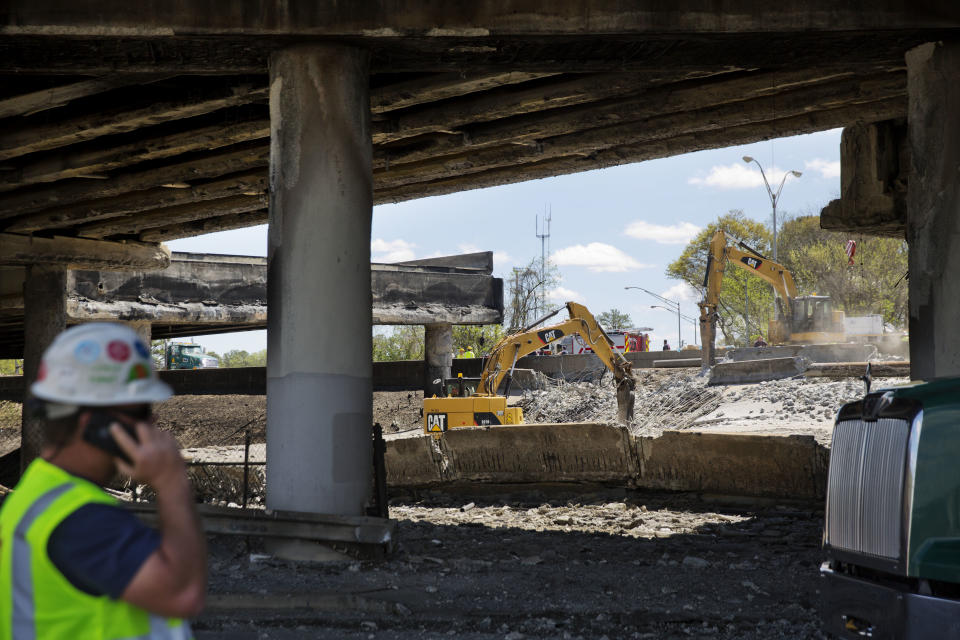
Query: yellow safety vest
36, 601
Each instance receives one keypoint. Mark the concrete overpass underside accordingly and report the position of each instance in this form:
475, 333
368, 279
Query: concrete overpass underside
128, 124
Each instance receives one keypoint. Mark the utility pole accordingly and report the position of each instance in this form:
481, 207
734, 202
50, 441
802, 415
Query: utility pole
544, 251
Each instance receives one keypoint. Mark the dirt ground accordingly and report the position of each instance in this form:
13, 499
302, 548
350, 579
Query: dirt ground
594, 565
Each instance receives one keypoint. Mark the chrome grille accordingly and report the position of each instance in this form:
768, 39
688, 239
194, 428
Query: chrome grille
865, 486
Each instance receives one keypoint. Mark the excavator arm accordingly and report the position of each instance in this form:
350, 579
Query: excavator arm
504, 355
749, 260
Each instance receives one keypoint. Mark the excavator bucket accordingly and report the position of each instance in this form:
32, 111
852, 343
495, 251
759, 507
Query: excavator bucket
626, 398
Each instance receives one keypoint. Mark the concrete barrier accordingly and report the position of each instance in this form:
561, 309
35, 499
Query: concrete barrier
790, 467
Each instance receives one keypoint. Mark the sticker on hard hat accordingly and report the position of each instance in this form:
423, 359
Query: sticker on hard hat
138, 372
142, 350
87, 352
42, 373
104, 373
436, 422
118, 350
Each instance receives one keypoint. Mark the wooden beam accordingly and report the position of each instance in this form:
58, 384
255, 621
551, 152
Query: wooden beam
778, 106
200, 168
502, 103
686, 143
441, 86
168, 216
94, 161
81, 253
252, 182
687, 96
36, 101
22, 141
208, 225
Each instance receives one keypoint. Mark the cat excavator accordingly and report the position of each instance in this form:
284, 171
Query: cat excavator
798, 319
484, 407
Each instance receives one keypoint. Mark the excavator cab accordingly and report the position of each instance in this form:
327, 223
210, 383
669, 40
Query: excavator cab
815, 320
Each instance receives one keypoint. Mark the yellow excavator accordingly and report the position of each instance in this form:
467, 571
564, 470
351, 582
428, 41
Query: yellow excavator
484, 407
798, 320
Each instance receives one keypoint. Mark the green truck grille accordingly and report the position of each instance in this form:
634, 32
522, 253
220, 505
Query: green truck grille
865, 487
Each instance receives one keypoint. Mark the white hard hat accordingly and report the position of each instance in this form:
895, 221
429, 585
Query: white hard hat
98, 364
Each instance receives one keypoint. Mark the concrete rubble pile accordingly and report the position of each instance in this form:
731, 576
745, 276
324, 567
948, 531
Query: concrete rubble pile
683, 401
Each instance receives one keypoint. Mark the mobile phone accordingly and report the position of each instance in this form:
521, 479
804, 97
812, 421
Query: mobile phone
97, 433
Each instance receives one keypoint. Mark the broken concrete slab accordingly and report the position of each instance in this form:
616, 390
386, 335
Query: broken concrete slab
842, 352
746, 371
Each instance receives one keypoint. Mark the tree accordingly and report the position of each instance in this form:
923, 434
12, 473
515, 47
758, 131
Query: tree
158, 352
404, 342
11, 367
614, 320
874, 284
742, 296
526, 285
241, 358
481, 338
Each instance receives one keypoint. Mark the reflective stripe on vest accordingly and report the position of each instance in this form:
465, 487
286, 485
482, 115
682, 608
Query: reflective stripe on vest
23, 605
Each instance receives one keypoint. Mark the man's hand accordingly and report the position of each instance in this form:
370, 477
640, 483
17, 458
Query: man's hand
155, 458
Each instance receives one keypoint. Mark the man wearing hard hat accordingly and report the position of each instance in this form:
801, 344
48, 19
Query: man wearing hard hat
73, 563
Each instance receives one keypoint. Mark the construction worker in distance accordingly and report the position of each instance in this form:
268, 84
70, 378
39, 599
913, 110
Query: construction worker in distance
460, 352
74, 564
760, 342
666, 346
469, 352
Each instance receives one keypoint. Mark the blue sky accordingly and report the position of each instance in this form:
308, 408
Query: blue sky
610, 228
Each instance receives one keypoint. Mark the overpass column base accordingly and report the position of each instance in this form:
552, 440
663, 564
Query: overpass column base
44, 317
933, 208
144, 329
319, 369
438, 356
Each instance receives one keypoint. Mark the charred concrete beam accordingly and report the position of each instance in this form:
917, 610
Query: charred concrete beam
371, 20
874, 168
442, 86
18, 249
673, 98
627, 153
37, 101
202, 167
250, 184
22, 141
94, 160
779, 106
169, 216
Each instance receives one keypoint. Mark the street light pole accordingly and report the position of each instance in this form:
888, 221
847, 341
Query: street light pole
774, 197
668, 301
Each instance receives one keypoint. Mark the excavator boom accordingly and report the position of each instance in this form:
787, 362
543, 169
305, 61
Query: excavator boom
502, 360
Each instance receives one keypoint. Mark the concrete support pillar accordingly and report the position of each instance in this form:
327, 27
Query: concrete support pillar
319, 370
933, 208
438, 357
144, 329
44, 317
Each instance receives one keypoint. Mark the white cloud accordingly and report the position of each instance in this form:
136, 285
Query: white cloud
826, 168
596, 256
680, 233
732, 176
739, 175
681, 292
392, 250
562, 294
